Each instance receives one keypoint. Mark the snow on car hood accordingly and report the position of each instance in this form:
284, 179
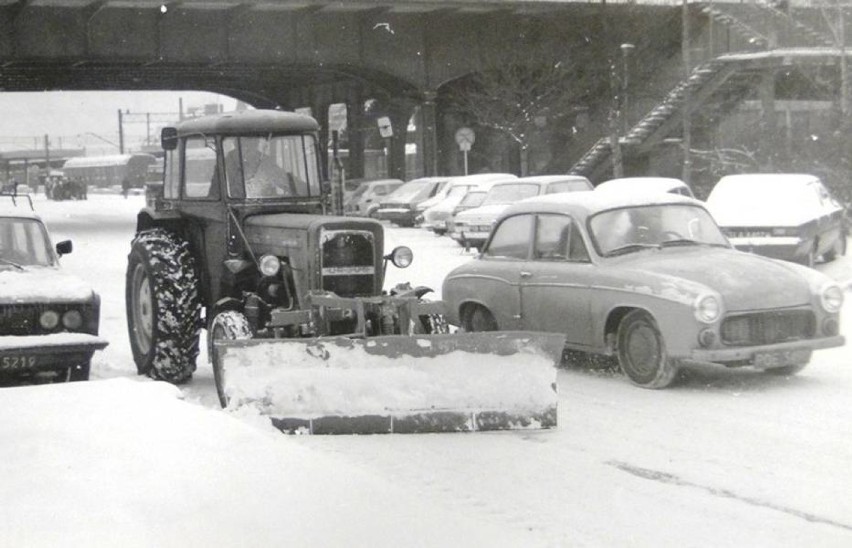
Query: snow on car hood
40, 283
745, 281
482, 214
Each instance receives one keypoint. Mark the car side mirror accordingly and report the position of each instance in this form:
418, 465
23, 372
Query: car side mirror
64, 247
168, 138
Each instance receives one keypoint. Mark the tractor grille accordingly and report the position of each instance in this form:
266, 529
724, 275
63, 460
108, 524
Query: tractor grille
768, 327
22, 319
348, 267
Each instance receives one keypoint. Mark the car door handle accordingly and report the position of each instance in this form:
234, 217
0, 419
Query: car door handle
525, 274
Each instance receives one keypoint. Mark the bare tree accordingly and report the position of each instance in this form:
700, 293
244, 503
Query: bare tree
518, 96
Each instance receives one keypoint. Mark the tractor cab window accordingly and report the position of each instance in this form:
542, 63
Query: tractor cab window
171, 175
271, 167
199, 173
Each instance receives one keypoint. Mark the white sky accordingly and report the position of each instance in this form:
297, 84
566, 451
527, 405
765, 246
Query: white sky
70, 117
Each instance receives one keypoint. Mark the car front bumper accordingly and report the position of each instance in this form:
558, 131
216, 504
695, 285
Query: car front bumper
769, 355
399, 216
45, 352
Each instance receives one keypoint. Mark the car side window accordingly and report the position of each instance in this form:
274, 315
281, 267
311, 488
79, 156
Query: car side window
558, 239
511, 238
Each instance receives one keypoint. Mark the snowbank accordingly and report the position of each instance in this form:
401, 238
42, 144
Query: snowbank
127, 463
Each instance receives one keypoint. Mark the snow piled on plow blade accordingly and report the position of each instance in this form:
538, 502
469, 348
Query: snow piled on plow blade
398, 383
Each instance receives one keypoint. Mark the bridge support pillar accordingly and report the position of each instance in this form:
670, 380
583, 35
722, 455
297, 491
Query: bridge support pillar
399, 111
427, 147
355, 130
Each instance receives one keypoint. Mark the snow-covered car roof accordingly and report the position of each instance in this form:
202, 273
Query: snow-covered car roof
645, 184
21, 210
585, 204
771, 199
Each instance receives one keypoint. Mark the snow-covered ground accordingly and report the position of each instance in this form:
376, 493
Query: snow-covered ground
724, 458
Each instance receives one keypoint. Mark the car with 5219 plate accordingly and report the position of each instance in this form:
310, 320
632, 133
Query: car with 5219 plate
48, 318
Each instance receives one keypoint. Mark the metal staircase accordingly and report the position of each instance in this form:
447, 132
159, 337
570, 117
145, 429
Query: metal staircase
759, 24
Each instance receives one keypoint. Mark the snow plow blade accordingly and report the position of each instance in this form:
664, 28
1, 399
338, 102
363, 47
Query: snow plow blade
396, 383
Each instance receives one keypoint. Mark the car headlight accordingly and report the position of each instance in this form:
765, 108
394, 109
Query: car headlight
708, 309
269, 265
831, 298
49, 319
72, 320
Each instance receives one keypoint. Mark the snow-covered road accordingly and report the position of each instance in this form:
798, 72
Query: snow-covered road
723, 458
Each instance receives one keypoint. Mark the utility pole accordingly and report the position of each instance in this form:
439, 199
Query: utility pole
120, 132
687, 100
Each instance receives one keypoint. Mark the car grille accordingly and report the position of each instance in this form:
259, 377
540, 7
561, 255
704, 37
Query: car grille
768, 327
347, 266
22, 319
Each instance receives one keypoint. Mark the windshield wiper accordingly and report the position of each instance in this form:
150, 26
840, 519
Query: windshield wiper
630, 248
679, 241
11, 263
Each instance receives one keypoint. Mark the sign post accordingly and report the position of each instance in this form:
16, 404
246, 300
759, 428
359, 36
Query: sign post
465, 138
386, 131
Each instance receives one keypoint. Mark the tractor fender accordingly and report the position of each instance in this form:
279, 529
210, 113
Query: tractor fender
149, 218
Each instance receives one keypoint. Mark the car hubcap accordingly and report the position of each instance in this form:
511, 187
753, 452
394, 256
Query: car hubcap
143, 315
643, 350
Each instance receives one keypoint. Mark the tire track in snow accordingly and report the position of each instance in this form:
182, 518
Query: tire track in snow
671, 479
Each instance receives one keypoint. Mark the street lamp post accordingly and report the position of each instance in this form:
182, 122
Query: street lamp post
626, 50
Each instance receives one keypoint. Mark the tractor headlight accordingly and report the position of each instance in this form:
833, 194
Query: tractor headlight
49, 319
831, 298
72, 320
707, 309
401, 256
269, 265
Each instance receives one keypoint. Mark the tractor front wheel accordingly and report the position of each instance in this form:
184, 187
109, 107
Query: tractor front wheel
227, 326
163, 306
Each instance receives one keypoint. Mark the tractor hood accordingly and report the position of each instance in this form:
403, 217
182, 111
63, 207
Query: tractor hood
298, 236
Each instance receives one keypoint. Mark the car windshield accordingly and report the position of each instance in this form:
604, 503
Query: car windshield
272, 166
458, 191
632, 228
473, 199
24, 242
567, 186
360, 191
511, 193
411, 191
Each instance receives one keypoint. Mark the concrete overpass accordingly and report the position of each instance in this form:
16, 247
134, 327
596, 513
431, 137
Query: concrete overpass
308, 53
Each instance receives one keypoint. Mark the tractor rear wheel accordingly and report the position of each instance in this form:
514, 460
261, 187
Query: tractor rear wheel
163, 306
228, 326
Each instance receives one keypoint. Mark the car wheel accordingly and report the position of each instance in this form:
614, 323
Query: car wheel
227, 326
478, 318
163, 306
642, 352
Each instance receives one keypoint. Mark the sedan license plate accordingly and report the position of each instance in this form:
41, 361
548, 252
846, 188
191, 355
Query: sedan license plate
781, 358
17, 362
